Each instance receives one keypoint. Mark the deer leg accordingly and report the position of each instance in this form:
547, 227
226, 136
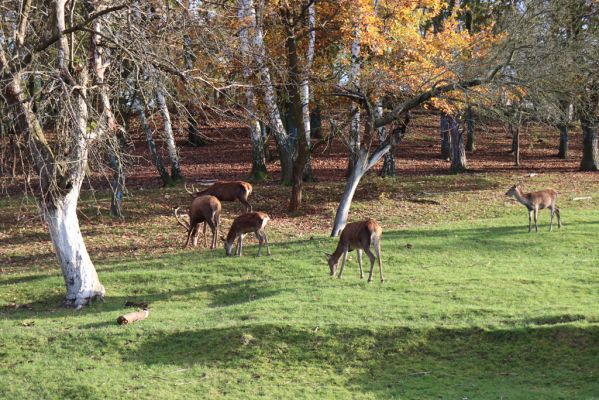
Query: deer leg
238, 249
266, 241
342, 263
193, 234
552, 211
536, 212
240, 245
213, 230
248, 206
377, 250
260, 240
205, 237
559, 218
529, 220
371, 257
360, 263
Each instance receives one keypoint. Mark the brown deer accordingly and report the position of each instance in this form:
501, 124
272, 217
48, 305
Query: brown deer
246, 223
535, 201
204, 209
226, 191
360, 236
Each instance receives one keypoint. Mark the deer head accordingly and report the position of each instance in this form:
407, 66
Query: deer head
513, 190
332, 263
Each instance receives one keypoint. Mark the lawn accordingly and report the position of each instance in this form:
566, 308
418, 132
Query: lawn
474, 308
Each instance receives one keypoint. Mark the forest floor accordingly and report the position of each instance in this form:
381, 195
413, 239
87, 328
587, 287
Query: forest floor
472, 307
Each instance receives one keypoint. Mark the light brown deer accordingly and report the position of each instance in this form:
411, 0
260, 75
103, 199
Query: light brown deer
226, 191
535, 201
204, 209
360, 236
246, 223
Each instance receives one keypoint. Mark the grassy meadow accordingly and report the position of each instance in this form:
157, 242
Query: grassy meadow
473, 306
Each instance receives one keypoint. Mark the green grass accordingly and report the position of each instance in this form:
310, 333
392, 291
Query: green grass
476, 309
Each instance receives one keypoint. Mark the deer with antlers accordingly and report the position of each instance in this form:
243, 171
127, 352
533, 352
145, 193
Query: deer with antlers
226, 191
535, 201
204, 209
360, 236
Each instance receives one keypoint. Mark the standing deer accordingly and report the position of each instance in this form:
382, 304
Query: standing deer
536, 201
226, 191
360, 236
204, 209
246, 223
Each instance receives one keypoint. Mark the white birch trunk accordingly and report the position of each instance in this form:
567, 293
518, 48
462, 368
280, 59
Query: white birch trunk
354, 132
79, 274
270, 98
305, 85
248, 22
353, 180
284, 146
168, 132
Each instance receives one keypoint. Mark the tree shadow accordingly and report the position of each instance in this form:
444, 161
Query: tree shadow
220, 295
399, 361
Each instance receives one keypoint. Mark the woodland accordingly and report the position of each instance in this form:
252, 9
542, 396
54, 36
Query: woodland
305, 129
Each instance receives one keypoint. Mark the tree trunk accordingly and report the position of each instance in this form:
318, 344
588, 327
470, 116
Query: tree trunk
458, 152
348, 194
284, 145
304, 92
193, 132
388, 169
469, 129
117, 184
170, 139
298, 117
445, 136
590, 151
563, 141
259, 172
354, 79
156, 158
77, 268
563, 124
515, 131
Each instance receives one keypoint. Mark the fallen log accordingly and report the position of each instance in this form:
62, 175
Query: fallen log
133, 317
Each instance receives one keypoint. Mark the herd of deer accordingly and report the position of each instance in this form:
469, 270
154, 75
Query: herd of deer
361, 236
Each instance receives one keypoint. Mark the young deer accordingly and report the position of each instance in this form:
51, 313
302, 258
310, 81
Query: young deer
226, 191
536, 201
360, 236
246, 223
204, 209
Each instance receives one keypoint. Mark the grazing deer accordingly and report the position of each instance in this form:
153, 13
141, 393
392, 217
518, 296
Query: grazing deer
246, 223
360, 236
204, 209
226, 191
536, 201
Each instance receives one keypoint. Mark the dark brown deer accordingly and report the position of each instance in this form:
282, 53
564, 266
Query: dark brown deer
246, 223
360, 236
204, 209
535, 201
226, 191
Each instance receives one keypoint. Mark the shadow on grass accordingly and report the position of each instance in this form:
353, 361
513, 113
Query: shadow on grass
401, 361
219, 295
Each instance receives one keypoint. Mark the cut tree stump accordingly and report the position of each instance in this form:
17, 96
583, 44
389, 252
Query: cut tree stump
133, 317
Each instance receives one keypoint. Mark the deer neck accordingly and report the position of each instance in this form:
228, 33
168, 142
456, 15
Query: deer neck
521, 198
338, 251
